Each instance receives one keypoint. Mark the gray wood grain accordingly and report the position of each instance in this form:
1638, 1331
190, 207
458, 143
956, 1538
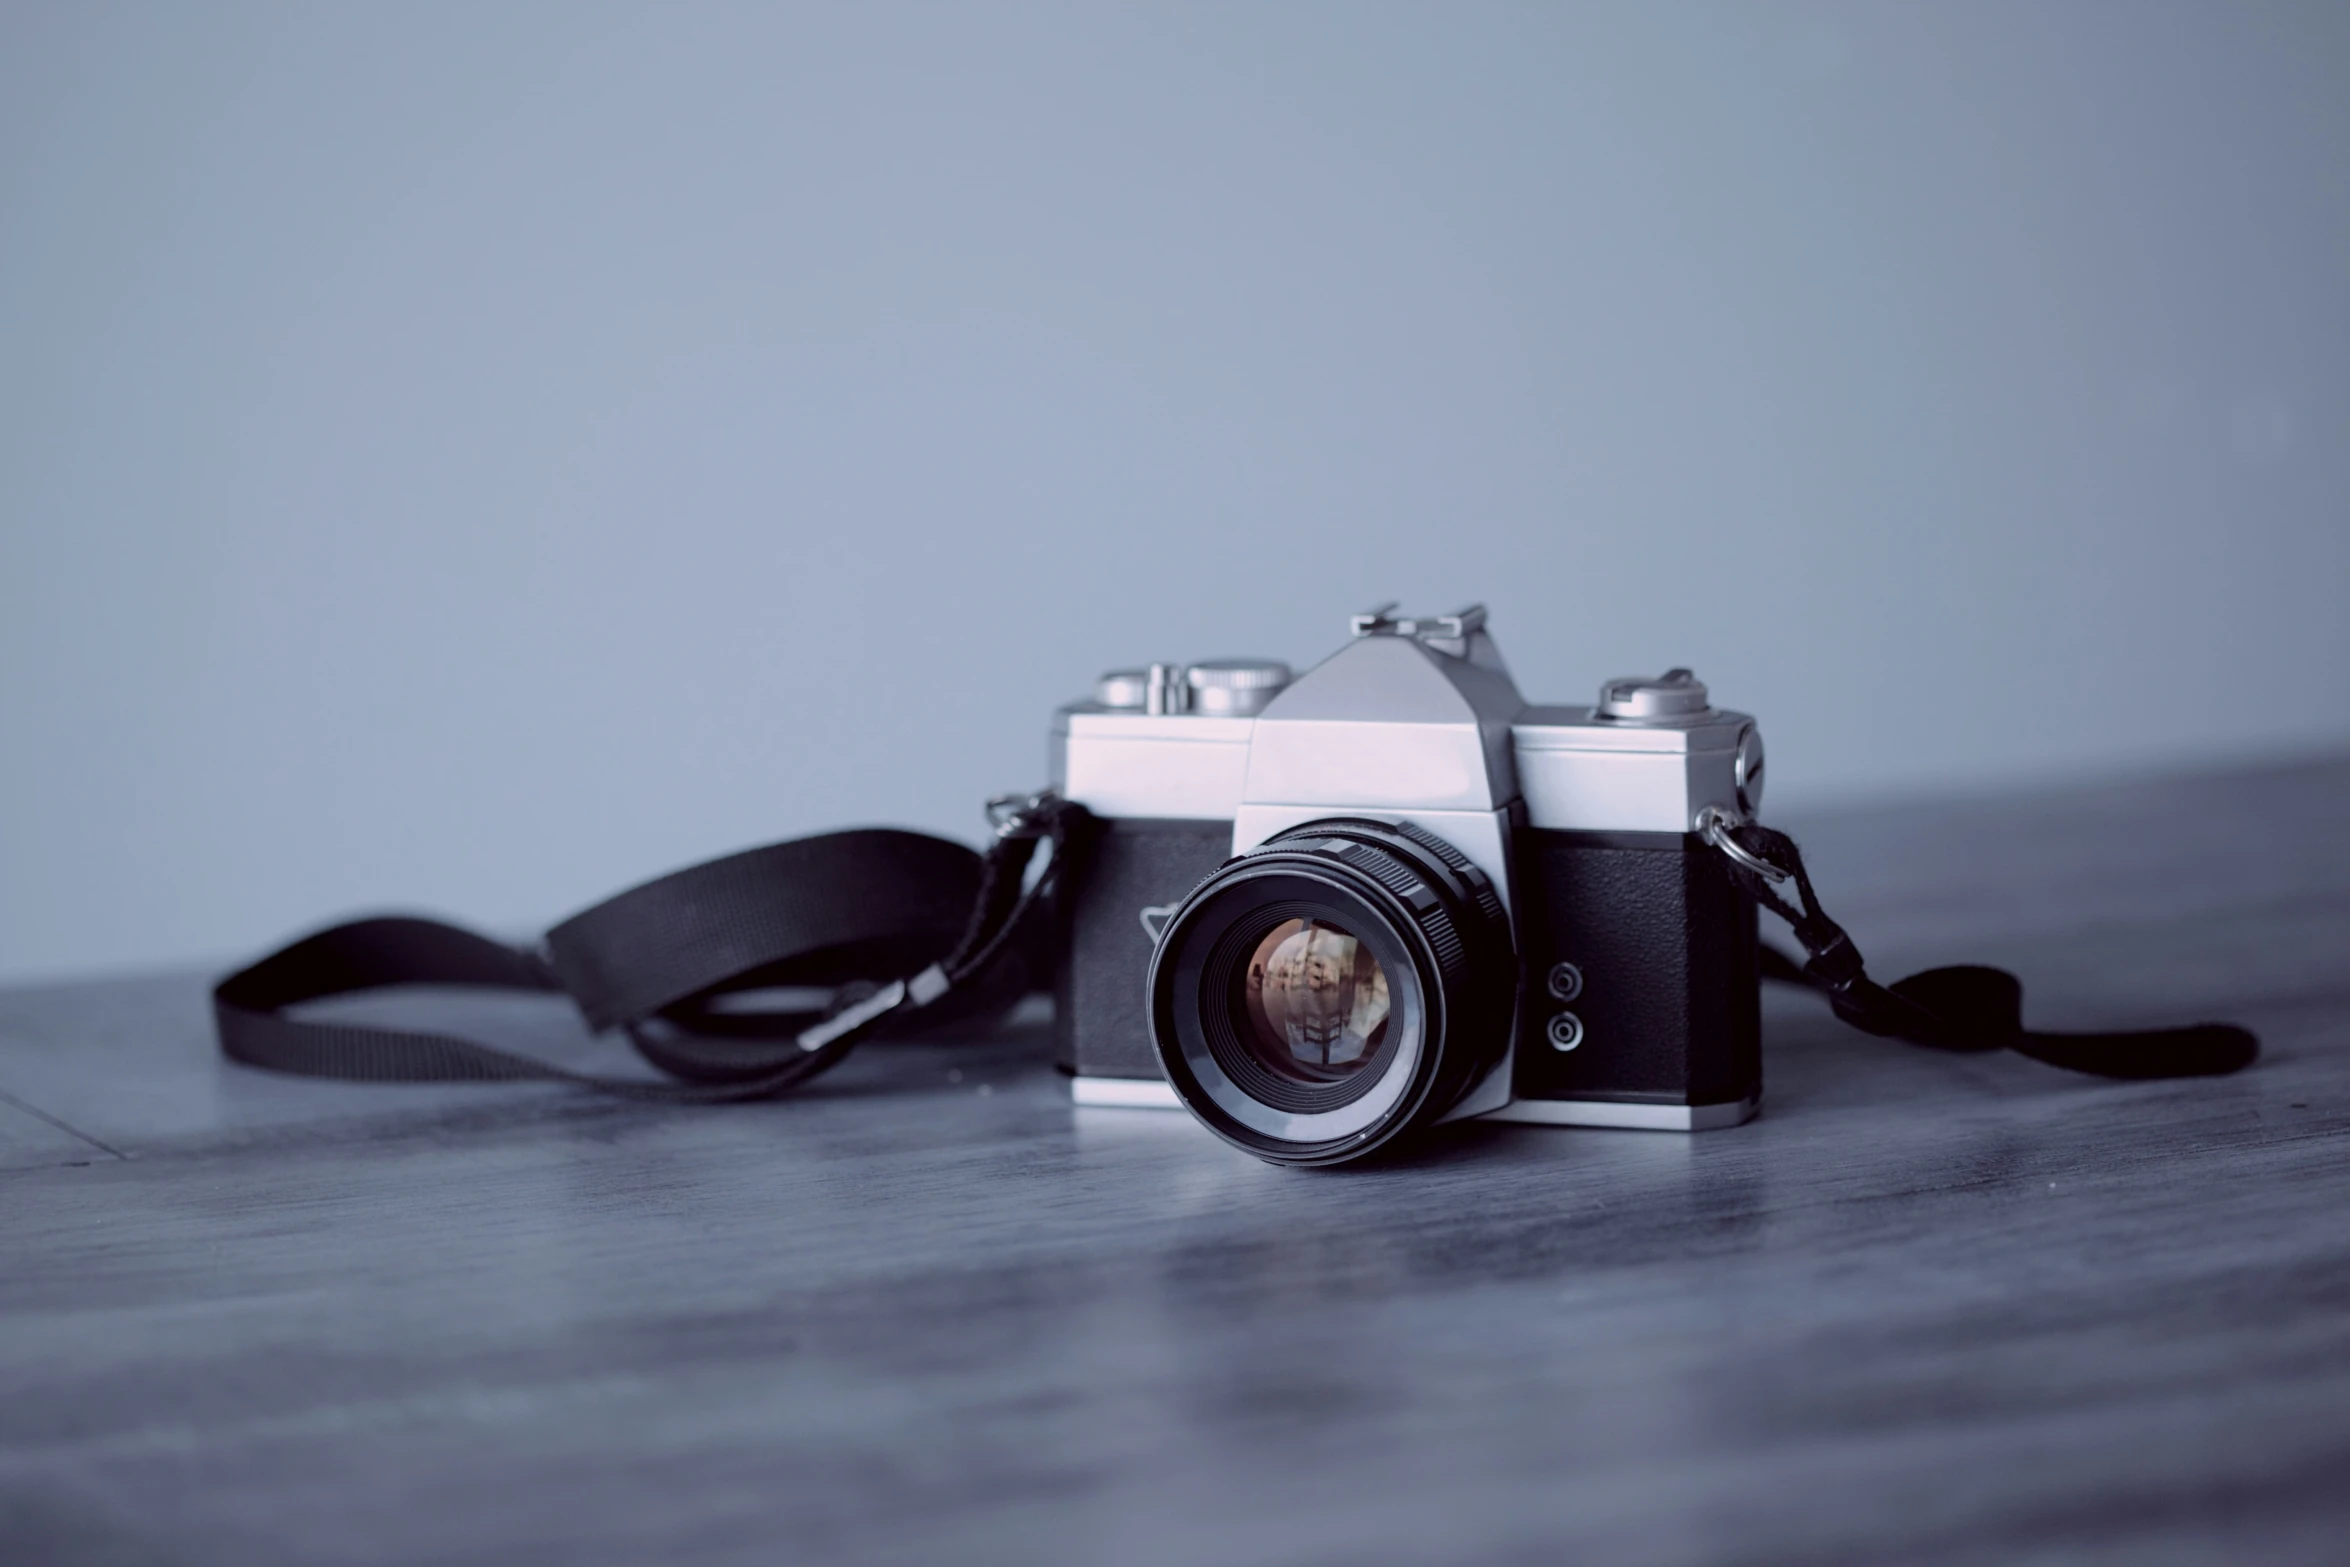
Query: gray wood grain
1929, 1308
30, 1137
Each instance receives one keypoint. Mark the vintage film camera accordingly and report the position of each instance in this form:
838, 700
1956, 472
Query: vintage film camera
1320, 913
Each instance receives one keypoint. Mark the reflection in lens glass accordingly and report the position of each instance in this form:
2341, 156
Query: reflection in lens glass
1317, 1000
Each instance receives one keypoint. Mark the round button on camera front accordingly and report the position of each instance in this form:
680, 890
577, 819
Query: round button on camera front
1566, 981
1566, 1031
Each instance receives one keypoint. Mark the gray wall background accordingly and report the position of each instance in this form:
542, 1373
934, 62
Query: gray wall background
477, 456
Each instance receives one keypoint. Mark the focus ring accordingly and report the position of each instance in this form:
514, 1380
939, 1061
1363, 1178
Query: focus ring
1400, 879
1479, 884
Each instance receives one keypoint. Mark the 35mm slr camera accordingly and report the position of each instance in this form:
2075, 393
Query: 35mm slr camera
1321, 913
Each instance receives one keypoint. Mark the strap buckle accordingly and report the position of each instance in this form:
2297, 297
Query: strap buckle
1836, 962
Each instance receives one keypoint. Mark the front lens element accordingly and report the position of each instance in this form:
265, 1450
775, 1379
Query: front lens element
1315, 1002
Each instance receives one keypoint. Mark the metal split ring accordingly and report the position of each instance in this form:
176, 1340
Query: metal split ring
1019, 815
1714, 824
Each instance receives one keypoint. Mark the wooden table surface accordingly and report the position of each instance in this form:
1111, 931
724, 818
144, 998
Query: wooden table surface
1927, 1309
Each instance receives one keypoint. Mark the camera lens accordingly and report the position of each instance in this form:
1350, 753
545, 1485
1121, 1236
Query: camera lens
1332, 989
1315, 1002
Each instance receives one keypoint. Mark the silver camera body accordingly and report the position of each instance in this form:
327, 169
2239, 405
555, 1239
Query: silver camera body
1558, 847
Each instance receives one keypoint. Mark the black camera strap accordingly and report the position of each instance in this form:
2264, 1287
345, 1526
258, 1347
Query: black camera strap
1966, 1007
890, 923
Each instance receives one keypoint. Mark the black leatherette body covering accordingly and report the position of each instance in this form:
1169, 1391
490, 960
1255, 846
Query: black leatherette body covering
1669, 1005
1101, 1025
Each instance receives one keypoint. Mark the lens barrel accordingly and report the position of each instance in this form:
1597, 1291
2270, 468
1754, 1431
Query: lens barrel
1334, 988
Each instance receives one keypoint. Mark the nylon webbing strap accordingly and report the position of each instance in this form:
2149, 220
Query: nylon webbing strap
677, 937
891, 922
1966, 1007
849, 911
